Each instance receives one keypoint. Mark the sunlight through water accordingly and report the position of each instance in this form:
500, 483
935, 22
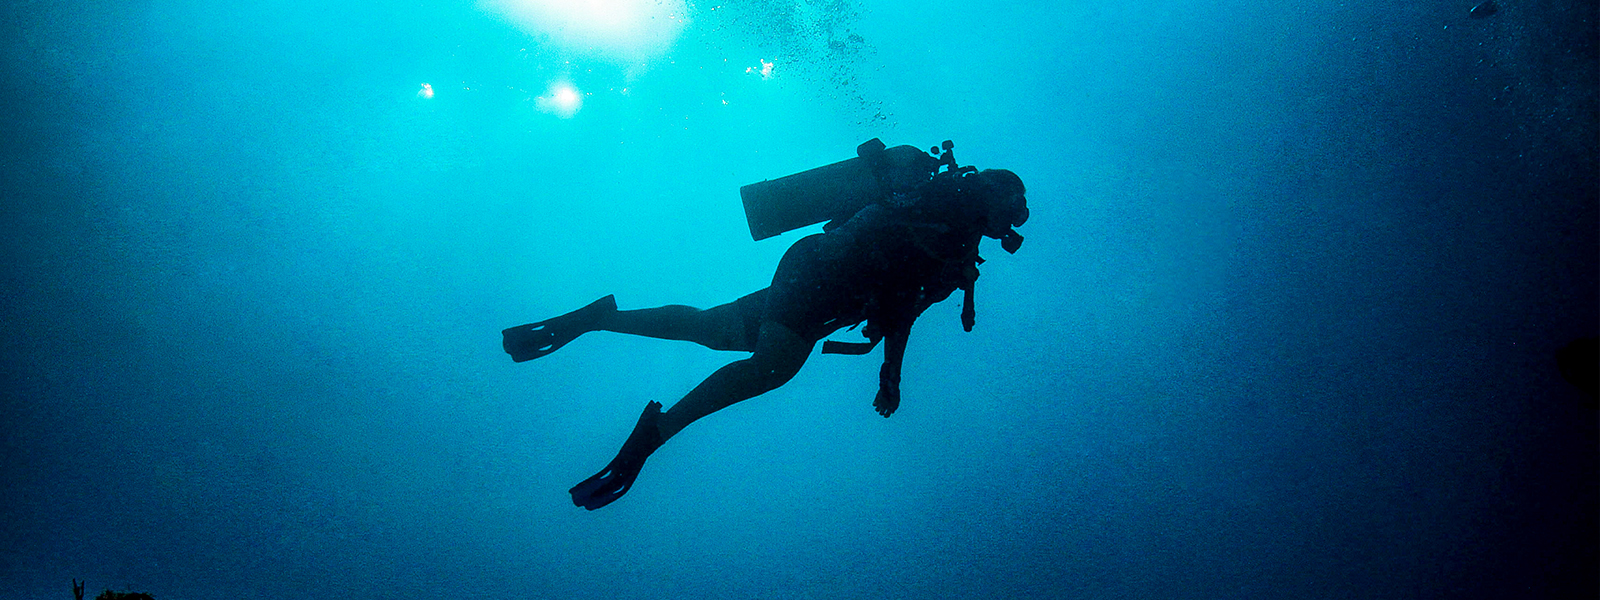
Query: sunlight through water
562, 100
627, 31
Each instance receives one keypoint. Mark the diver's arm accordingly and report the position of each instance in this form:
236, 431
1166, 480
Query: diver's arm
894, 351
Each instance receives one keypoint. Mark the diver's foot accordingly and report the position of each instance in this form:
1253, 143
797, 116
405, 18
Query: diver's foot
534, 340
617, 478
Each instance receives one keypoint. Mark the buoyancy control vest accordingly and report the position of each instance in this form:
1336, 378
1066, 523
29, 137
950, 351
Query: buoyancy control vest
927, 192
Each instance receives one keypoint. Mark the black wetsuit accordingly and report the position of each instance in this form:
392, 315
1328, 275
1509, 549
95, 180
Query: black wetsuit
886, 264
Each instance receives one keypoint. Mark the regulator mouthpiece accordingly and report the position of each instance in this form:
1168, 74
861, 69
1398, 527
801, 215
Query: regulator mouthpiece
1011, 241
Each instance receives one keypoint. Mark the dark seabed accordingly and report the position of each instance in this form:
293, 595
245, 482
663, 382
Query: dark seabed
1285, 325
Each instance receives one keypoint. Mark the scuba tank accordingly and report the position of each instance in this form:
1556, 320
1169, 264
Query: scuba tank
879, 174
839, 190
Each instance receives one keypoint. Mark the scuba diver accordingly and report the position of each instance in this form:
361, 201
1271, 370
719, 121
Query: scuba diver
901, 235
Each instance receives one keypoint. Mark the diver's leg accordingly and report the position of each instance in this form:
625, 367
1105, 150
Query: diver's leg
673, 322
731, 326
725, 327
534, 340
778, 356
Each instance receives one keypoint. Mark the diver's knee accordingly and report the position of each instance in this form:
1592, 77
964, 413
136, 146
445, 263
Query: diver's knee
782, 373
777, 368
771, 380
726, 338
723, 329
780, 353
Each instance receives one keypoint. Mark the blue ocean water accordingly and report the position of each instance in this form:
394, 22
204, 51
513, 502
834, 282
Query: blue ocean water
1284, 325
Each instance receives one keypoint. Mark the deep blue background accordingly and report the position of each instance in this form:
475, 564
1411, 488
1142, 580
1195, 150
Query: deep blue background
1284, 325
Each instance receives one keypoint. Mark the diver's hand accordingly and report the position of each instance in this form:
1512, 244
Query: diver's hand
888, 399
894, 350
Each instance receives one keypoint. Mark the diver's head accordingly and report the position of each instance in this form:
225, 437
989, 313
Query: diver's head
1007, 203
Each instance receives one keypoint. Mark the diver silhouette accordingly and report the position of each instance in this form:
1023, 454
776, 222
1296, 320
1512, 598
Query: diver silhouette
912, 244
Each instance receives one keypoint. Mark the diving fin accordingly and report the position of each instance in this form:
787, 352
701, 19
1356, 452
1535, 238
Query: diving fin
535, 340
617, 478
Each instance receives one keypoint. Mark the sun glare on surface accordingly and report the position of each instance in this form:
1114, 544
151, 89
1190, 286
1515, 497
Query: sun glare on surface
625, 30
562, 100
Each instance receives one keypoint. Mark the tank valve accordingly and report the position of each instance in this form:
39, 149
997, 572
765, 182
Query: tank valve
948, 158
